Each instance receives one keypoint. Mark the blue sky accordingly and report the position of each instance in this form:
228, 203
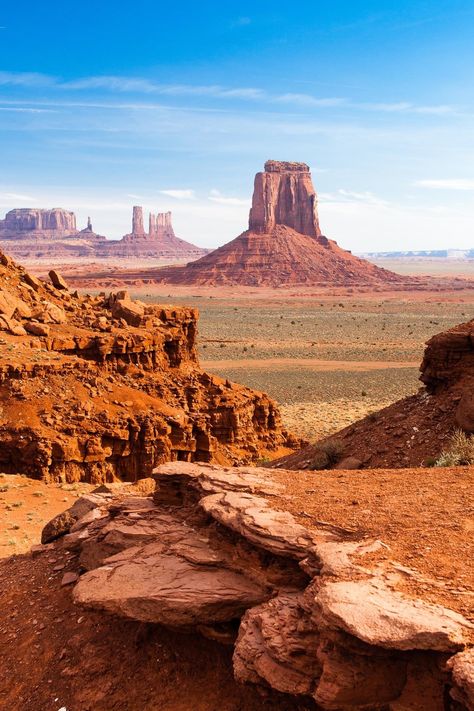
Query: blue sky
176, 106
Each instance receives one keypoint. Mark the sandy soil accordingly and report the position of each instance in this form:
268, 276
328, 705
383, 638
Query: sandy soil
26, 505
424, 516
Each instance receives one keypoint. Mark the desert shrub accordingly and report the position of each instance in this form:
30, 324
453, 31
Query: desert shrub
460, 450
327, 454
319, 461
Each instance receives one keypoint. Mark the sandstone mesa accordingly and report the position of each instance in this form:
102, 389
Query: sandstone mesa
31, 234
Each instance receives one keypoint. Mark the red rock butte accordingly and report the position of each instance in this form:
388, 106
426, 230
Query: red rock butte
31, 233
284, 243
159, 241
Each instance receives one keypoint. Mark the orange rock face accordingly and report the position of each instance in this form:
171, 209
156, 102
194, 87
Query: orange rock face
284, 195
99, 388
283, 245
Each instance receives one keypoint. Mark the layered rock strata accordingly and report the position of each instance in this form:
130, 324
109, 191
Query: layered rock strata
58, 221
283, 244
33, 233
284, 195
415, 430
309, 611
104, 387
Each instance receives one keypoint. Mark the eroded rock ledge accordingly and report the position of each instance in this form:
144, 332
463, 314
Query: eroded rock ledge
97, 388
308, 611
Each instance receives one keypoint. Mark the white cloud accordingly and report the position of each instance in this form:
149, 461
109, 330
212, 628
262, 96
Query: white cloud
446, 184
31, 79
143, 85
308, 100
216, 196
27, 110
180, 194
7, 199
241, 22
112, 83
343, 196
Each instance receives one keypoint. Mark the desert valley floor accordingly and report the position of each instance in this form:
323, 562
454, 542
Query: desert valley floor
327, 360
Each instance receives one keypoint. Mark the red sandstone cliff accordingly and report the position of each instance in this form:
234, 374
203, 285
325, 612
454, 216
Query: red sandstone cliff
97, 388
160, 241
284, 195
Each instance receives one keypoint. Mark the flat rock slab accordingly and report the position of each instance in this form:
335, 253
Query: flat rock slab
253, 518
381, 617
180, 587
210, 478
126, 531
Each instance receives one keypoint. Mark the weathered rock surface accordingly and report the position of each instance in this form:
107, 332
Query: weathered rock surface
413, 431
283, 245
103, 388
284, 195
27, 233
382, 618
210, 553
462, 669
56, 220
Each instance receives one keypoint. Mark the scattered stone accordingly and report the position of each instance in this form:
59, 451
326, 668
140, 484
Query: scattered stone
57, 280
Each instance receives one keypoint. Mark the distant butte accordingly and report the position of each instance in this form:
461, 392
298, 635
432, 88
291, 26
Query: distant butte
283, 245
160, 240
31, 233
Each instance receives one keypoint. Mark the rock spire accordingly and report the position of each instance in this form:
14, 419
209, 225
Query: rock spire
284, 195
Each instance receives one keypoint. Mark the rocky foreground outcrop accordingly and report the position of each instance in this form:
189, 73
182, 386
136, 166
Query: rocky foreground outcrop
283, 245
415, 430
312, 611
101, 387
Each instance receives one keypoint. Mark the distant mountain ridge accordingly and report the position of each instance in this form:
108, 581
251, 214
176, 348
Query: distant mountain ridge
431, 253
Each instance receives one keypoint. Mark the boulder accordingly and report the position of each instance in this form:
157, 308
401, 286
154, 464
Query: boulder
462, 670
128, 310
37, 329
63, 522
57, 280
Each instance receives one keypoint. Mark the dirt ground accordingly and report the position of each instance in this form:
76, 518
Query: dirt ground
425, 517
327, 359
26, 505
55, 657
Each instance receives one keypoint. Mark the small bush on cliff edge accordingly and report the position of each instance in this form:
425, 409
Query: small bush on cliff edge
460, 450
